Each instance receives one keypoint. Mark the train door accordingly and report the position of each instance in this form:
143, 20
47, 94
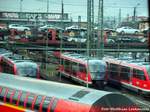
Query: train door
67, 66
82, 74
114, 72
139, 80
125, 74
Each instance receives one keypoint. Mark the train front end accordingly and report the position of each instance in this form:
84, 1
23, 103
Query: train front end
97, 70
27, 69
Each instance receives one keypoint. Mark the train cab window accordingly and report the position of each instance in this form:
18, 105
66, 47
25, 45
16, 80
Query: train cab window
46, 104
37, 103
139, 74
125, 73
82, 68
30, 100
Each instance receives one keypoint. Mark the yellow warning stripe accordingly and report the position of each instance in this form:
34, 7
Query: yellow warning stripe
14, 107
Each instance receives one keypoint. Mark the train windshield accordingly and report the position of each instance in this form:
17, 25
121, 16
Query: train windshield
27, 70
97, 69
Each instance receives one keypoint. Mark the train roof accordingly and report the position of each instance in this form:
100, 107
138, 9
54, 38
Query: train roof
18, 58
6, 54
2, 52
20, 61
62, 91
135, 62
78, 57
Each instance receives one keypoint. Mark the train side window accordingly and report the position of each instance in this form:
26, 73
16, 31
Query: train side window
75, 68
5, 94
30, 100
1, 89
11, 96
6, 67
125, 73
22, 99
15, 97
139, 74
82, 68
10, 91
2, 94
67, 65
46, 104
58, 35
50, 34
37, 103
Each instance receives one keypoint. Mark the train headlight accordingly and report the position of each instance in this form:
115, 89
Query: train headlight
144, 85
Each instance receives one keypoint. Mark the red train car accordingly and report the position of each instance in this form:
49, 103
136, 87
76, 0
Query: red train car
3, 52
133, 75
18, 94
37, 37
83, 69
17, 65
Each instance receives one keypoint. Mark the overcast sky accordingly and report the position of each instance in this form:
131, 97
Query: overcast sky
78, 7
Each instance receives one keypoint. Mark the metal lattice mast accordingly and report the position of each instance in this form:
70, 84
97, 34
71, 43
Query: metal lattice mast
88, 26
92, 24
46, 51
119, 20
61, 33
100, 42
88, 35
90, 30
21, 6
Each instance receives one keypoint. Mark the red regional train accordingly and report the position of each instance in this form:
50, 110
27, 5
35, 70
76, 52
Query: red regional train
17, 65
22, 94
133, 74
83, 69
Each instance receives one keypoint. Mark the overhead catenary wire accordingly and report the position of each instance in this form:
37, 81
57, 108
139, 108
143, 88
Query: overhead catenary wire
84, 5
